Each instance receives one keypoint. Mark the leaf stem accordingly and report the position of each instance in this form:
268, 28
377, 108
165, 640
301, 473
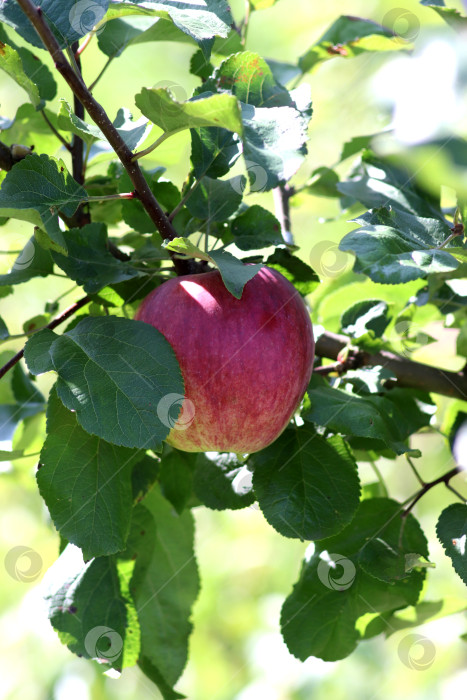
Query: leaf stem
154, 145
185, 198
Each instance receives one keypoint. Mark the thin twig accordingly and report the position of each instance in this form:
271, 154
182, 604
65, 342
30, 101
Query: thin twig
55, 132
444, 479
53, 324
106, 65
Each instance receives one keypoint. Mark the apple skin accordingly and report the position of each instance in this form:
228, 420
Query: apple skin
246, 363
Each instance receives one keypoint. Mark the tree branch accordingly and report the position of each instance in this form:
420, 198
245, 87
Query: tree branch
99, 116
444, 479
53, 324
414, 375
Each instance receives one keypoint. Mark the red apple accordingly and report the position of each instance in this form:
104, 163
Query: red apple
246, 362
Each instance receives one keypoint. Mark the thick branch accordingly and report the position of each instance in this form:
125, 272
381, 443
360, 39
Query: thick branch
99, 116
414, 375
53, 324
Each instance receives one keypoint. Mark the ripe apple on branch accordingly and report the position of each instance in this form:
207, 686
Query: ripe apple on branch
245, 362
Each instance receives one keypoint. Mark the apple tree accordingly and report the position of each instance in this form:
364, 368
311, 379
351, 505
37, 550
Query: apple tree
119, 491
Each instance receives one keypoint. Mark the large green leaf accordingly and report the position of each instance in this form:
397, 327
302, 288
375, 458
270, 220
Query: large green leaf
91, 609
165, 588
114, 373
213, 151
69, 20
273, 144
216, 200
89, 262
200, 22
452, 533
390, 419
158, 105
11, 63
348, 37
35, 190
319, 618
86, 484
35, 71
392, 246
256, 228
306, 486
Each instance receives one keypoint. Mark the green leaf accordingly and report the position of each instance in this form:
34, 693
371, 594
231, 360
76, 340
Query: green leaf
283, 72
200, 66
256, 228
414, 616
86, 484
349, 37
452, 533
391, 418
274, 147
251, 80
216, 200
295, 270
378, 183
11, 63
364, 316
6, 456
222, 482
114, 373
36, 188
89, 262
176, 477
89, 609
386, 555
234, 273
158, 105
307, 486
131, 132
201, 23
165, 589
320, 616
450, 15
355, 145
33, 261
4, 333
323, 182
67, 19
393, 247
37, 351
213, 151
24, 390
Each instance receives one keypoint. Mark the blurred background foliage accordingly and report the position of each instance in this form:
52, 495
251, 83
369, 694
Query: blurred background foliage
246, 567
